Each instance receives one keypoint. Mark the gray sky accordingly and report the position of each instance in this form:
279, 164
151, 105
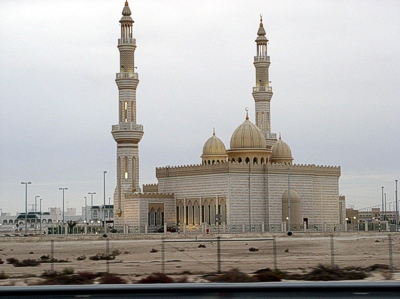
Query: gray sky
335, 74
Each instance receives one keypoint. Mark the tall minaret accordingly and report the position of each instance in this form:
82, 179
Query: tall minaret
127, 133
262, 92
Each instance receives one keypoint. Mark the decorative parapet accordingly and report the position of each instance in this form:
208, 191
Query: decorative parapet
234, 167
149, 195
152, 188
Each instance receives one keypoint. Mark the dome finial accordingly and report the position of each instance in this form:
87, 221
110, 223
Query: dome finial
214, 131
126, 3
261, 23
247, 113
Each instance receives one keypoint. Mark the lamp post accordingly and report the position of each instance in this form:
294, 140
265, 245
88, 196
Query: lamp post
288, 180
104, 204
35, 210
85, 209
40, 216
63, 189
382, 203
397, 216
91, 204
26, 205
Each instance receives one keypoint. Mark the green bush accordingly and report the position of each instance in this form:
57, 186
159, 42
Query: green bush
68, 271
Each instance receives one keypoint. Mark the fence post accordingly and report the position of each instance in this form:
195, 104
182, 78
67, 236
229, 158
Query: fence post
332, 252
274, 252
219, 254
162, 256
390, 253
52, 254
107, 254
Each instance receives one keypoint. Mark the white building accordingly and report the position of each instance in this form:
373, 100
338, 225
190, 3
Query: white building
252, 186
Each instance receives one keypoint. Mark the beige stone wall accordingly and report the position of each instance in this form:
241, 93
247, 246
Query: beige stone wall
261, 203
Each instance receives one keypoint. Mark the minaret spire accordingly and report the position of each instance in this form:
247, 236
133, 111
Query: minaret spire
262, 92
127, 133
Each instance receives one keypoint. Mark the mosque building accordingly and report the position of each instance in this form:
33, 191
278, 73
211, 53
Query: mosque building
252, 186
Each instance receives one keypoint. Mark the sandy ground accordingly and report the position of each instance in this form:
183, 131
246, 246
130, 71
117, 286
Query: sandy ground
141, 255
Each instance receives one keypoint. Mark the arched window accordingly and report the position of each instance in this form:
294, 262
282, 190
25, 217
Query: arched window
240, 160
152, 217
126, 171
10, 221
5, 221
255, 161
262, 160
160, 217
247, 160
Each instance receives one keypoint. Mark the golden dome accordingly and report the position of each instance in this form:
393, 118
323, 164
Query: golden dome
281, 152
214, 151
248, 135
214, 146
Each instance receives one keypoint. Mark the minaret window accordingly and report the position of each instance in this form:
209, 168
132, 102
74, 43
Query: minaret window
126, 111
126, 167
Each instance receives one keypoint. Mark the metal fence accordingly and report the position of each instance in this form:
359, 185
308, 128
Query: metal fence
199, 255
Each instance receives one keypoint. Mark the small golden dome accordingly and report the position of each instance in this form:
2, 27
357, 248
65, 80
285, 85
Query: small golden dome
214, 146
281, 152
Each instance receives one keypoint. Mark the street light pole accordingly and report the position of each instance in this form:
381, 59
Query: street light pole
104, 204
91, 204
35, 210
26, 205
382, 204
397, 216
85, 209
40, 216
288, 179
63, 189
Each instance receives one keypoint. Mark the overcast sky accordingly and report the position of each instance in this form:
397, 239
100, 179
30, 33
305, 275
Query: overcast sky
335, 73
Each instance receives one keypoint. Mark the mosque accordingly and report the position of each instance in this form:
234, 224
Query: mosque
252, 186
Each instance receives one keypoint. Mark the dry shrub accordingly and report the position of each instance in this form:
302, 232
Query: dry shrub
1, 261
112, 279
27, 263
3, 275
253, 249
233, 275
153, 250
327, 273
67, 278
157, 278
87, 275
102, 256
201, 246
81, 258
12, 260
267, 274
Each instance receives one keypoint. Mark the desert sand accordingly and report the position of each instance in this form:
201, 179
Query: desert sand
139, 255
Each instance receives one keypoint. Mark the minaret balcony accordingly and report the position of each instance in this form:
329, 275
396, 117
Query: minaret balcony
127, 40
127, 75
261, 58
127, 127
262, 88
